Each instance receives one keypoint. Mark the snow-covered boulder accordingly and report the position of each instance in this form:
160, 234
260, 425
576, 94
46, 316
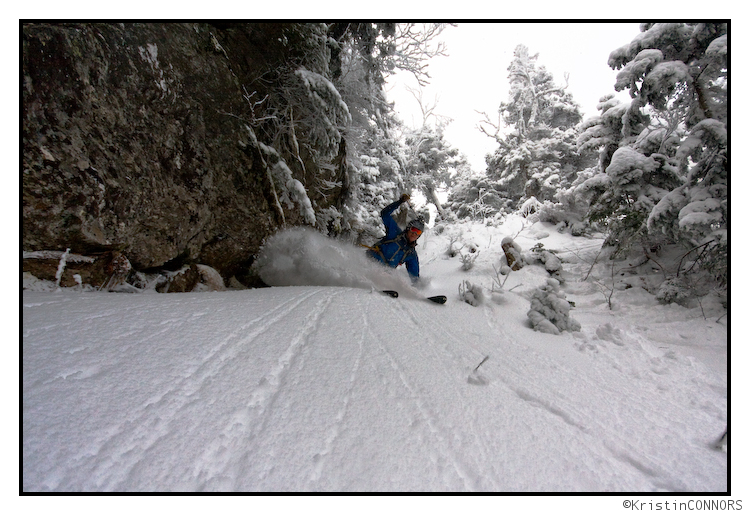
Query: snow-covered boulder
210, 279
512, 252
550, 311
192, 278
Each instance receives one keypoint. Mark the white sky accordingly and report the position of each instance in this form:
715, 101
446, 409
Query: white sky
475, 75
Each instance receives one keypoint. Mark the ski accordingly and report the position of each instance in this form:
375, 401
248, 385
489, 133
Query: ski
438, 299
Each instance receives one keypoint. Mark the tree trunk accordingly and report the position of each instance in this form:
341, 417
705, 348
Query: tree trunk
432, 194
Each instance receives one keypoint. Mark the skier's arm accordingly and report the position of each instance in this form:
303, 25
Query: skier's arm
391, 227
390, 208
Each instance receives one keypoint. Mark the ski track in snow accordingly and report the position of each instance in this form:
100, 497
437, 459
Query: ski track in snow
250, 421
333, 432
438, 436
473, 455
565, 409
281, 402
556, 405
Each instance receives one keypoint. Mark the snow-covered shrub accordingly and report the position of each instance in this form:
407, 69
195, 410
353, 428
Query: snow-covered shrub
471, 293
691, 289
467, 260
529, 207
497, 282
61, 267
550, 311
672, 290
578, 228
552, 212
564, 215
453, 244
459, 241
552, 263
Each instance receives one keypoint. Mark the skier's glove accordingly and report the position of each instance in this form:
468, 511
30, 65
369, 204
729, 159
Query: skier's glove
405, 198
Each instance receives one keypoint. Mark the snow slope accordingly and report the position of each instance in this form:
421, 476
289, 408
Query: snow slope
335, 388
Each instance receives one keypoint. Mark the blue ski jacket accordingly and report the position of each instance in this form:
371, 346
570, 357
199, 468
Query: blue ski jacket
394, 249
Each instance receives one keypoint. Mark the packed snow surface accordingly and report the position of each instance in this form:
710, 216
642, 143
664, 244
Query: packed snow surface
324, 384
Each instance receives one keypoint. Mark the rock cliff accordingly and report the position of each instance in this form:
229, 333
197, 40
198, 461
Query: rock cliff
136, 142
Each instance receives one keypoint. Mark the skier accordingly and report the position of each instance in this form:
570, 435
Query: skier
398, 247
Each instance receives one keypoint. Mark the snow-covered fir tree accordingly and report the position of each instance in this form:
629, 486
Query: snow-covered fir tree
372, 174
664, 178
550, 310
476, 196
605, 132
539, 156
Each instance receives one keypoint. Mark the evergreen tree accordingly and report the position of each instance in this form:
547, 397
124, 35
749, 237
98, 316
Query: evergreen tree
477, 197
667, 179
539, 156
606, 132
369, 172
371, 165
431, 162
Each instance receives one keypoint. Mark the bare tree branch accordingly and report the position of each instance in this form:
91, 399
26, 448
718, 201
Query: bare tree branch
413, 48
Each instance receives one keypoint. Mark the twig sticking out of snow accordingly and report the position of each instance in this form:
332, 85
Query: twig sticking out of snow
477, 379
496, 280
481, 363
723, 441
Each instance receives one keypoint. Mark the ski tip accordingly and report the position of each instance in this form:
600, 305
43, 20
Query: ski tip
390, 293
438, 299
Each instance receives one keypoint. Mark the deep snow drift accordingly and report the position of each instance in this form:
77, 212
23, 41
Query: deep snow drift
327, 385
